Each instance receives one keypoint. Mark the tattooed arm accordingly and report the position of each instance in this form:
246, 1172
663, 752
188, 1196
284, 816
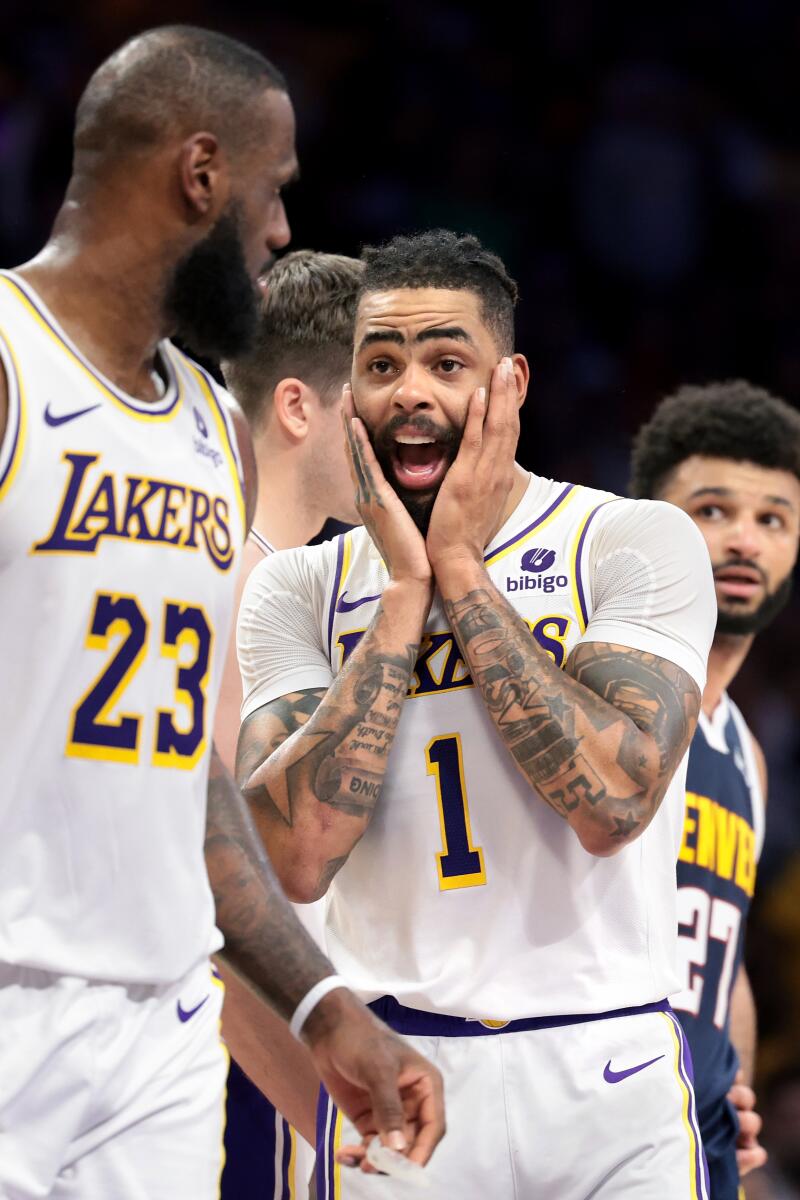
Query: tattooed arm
599, 741
376, 1078
312, 763
264, 941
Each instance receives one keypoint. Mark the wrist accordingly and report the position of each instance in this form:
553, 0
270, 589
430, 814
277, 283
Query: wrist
408, 596
459, 570
325, 1014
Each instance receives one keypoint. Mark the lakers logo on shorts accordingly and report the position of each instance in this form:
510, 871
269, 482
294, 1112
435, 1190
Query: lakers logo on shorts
493, 1024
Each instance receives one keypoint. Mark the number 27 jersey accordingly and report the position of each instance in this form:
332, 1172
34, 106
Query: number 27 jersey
468, 895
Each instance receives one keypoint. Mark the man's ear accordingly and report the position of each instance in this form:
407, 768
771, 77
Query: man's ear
203, 176
522, 374
294, 403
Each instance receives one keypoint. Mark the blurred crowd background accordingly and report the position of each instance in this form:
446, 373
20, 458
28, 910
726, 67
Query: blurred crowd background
638, 168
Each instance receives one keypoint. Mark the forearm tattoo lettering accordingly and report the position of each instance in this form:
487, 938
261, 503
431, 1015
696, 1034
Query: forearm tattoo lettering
600, 740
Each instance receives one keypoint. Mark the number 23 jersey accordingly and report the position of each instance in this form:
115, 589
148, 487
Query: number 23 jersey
468, 895
120, 529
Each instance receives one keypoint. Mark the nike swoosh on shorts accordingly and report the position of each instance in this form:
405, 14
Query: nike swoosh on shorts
185, 1014
615, 1076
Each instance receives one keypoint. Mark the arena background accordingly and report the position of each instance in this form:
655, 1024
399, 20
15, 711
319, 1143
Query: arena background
639, 171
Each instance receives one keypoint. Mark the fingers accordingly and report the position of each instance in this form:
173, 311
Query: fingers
351, 1155
387, 1105
365, 469
749, 1128
429, 1119
742, 1097
750, 1159
422, 1090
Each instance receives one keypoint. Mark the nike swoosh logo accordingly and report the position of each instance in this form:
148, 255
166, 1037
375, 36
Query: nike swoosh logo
615, 1076
53, 419
186, 1014
345, 606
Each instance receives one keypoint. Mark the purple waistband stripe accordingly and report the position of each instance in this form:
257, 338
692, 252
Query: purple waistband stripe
416, 1022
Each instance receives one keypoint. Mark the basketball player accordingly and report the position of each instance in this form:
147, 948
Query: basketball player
505, 674
289, 386
728, 454
123, 513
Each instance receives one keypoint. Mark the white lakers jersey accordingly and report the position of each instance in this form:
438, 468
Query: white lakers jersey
468, 895
120, 527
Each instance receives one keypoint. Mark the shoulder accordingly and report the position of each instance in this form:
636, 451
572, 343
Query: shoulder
238, 428
301, 572
648, 517
747, 736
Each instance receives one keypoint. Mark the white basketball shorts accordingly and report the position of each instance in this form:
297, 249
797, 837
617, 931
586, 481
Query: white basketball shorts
108, 1091
567, 1108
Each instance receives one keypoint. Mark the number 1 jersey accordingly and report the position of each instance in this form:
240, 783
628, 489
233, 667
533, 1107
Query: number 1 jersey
120, 528
468, 895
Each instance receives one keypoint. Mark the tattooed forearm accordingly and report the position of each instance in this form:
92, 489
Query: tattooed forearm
264, 941
599, 741
312, 764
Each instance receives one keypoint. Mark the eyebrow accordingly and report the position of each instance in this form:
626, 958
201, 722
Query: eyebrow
723, 491
436, 333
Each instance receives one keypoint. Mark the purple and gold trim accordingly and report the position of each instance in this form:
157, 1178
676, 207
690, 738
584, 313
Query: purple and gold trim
415, 1022
287, 1161
14, 440
159, 410
579, 594
683, 1070
329, 1133
227, 437
560, 502
343, 556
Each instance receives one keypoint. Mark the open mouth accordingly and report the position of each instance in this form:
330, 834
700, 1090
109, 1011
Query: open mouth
739, 583
419, 461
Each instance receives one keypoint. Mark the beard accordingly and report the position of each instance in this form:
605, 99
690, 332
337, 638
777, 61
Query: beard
211, 300
418, 504
736, 624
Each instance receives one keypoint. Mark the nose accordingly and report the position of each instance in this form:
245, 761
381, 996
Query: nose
279, 234
745, 538
412, 393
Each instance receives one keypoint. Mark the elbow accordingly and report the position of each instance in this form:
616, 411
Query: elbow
602, 844
303, 882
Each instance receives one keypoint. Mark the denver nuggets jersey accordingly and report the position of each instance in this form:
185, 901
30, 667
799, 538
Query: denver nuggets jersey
120, 525
722, 836
467, 894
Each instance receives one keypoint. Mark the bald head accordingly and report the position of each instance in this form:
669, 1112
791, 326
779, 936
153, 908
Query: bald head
168, 83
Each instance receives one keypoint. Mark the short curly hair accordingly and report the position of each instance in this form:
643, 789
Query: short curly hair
732, 419
440, 258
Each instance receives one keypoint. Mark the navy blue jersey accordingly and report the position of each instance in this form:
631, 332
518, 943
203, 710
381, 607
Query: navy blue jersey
723, 830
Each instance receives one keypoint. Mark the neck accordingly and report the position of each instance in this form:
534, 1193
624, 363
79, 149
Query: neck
105, 285
286, 514
727, 654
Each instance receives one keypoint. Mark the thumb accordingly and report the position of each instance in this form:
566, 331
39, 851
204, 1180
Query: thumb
387, 1107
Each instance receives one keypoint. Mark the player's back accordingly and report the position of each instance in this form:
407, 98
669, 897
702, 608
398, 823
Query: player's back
121, 523
723, 832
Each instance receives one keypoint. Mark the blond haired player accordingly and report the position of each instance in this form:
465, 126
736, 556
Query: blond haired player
289, 386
